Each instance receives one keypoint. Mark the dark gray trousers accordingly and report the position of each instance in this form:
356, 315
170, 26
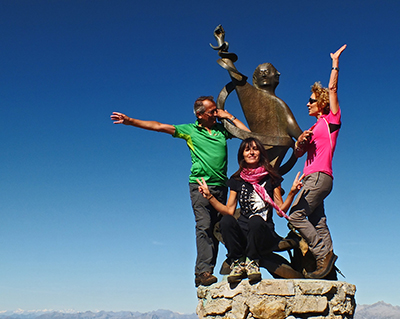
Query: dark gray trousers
247, 237
308, 214
206, 217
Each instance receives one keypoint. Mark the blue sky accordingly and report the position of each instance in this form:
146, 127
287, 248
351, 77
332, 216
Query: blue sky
96, 216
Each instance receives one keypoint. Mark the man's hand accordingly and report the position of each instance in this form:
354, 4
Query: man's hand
120, 118
223, 114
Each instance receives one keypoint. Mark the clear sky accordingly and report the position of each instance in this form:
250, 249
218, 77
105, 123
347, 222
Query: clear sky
96, 216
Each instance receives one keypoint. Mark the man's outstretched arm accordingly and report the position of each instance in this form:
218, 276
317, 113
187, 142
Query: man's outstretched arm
120, 118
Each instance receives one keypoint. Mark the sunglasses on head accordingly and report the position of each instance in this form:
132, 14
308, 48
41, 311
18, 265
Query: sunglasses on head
311, 101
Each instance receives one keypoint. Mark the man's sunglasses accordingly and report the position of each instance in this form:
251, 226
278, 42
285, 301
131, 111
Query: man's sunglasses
311, 101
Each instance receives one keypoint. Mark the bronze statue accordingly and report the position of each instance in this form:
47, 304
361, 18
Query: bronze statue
269, 118
270, 121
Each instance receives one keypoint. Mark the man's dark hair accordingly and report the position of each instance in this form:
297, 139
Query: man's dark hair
198, 104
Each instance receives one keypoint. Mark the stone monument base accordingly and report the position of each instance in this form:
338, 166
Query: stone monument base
278, 299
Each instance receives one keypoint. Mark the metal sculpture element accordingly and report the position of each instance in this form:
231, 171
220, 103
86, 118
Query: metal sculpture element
269, 118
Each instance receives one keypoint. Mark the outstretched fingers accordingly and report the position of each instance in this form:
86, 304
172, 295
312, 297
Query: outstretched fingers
298, 181
203, 188
117, 117
201, 182
301, 177
337, 54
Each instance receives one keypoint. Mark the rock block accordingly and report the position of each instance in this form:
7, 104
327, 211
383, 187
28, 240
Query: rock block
278, 299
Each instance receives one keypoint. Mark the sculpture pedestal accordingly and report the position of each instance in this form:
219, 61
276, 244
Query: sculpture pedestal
278, 299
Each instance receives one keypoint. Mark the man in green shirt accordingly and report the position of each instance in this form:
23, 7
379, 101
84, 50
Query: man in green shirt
206, 140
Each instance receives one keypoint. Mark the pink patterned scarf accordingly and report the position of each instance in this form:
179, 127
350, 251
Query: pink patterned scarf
254, 176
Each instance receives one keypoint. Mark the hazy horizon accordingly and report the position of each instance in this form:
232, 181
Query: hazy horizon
96, 215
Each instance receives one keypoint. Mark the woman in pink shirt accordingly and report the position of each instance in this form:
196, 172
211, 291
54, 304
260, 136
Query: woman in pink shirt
307, 214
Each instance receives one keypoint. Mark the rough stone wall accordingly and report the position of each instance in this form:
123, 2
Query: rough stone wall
278, 299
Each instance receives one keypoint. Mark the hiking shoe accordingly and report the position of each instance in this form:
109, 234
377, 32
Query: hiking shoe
238, 271
324, 266
253, 271
205, 278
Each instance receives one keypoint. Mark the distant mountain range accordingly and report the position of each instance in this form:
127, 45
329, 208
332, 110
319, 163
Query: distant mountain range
379, 310
46, 314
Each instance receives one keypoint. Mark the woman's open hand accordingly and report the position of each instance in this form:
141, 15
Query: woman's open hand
336, 55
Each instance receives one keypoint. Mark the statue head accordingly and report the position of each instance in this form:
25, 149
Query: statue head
266, 77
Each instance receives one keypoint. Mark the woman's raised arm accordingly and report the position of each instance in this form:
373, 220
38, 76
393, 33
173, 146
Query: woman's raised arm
333, 80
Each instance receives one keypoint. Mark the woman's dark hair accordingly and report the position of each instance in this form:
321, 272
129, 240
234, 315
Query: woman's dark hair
262, 162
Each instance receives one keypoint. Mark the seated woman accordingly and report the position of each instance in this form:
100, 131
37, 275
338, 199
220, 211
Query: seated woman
256, 185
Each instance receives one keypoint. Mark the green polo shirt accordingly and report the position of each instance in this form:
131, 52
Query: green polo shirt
208, 151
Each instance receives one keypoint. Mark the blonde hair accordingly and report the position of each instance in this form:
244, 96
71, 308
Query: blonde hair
322, 97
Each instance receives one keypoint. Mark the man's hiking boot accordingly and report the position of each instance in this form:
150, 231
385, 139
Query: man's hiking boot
238, 271
324, 266
253, 271
205, 279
